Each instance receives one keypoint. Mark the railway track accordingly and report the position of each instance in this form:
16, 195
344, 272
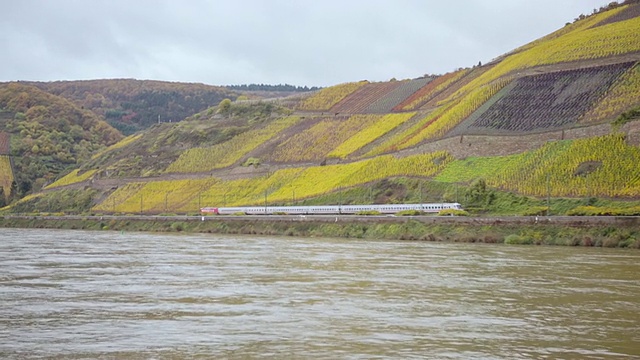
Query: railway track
571, 221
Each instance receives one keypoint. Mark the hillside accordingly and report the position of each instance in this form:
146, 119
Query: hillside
554, 118
131, 105
43, 135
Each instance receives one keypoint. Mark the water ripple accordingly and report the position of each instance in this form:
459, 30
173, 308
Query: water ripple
87, 295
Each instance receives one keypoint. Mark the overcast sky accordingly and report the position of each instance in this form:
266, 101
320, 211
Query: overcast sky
300, 42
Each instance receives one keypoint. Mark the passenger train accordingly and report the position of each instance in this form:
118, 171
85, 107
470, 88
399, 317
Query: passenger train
329, 209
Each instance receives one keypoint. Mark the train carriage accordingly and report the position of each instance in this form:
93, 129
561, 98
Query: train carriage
330, 209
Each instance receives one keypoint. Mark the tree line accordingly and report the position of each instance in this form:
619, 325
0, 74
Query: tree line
266, 87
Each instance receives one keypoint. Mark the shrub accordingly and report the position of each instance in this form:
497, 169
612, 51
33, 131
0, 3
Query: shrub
409, 213
251, 161
594, 211
368, 212
515, 239
535, 211
453, 212
177, 226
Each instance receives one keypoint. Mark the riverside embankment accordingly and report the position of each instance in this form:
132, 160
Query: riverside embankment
613, 231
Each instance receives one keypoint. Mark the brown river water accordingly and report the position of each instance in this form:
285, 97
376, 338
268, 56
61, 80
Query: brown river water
111, 295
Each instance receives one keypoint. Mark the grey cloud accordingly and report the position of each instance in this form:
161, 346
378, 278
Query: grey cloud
301, 42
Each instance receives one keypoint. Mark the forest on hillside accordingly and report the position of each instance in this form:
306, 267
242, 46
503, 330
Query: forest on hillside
131, 105
48, 134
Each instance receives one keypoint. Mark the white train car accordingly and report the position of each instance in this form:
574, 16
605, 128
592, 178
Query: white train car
330, 209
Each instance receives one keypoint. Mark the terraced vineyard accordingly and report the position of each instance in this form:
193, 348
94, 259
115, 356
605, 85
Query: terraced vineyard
120, 144
452, 92
315, 143
370, 134
326, 98
558, 169
630, 12
430, 90
581, 43
396, 96
599, 166
320, 180
4, 143
281, 186
123, 195
584, 24
251, 191
6, 174
440, 121
163, 196
547, 101
622, 96
359, 100
72, 178
227, 153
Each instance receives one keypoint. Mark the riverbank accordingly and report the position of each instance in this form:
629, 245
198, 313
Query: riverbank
612, 232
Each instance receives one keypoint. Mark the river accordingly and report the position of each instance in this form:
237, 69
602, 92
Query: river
79, 294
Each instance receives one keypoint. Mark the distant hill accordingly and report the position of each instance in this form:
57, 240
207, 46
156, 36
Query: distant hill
553, 118
131, 105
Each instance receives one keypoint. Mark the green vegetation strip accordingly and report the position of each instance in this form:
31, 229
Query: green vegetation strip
538, 234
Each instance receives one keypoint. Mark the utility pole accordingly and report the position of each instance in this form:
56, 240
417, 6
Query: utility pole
293, 201
141, 201
166, 201
265, 202
456, 192
586, 179
548, 194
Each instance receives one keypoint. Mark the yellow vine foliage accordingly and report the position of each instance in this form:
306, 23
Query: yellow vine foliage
156, 196
252, 191
123, 195
624, 94
442, 120
575, 26
227, 153
554, 169
6, 174
326, 98
72, 178
120, 144
319, 140
281, 186
582, 42
320, 180
433, 88
23, 200
370, 134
